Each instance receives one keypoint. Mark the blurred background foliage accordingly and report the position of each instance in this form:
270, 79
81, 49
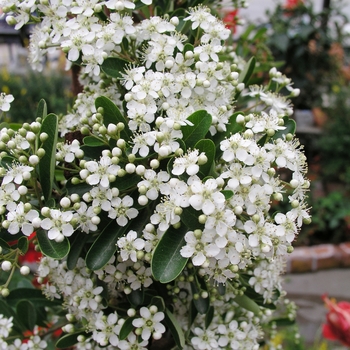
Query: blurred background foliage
30, 87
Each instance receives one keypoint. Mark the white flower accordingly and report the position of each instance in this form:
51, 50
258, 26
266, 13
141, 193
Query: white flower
129, 245
150, 322
8, 193
107, 329
20, 219
87, 295
35, 342
188, 163
132, 343
5, 326
100, 172
58, 224
142, 277
122, 210
67, 151
204, 339
86, 218
205, 196
18, 173
5, 101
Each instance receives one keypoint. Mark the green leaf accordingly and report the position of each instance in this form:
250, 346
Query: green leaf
227, 193
48, 161
79, 189
209, 316
114, 66
175, 329
5, 246
104, 246
126, 328
76, 248
189, 217
167, 262
41, 111
201, 304
247, 303
23, 244
247, 71
50, 247
93, 141
208, 147
126, 182
27, 313
32, 294
8, 312
221, 288
231, 128
69, 340
290, 127
112, 115
282, 322
201, 121
159, 302
136, 297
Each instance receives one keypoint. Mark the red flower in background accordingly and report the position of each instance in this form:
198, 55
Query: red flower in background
291, 4
338, 321
32, 256
230, 20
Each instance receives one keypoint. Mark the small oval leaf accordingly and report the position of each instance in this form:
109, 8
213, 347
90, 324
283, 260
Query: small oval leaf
50, 247
167, 262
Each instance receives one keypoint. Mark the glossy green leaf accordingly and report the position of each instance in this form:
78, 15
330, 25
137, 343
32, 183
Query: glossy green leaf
209, 316
5, 246
104, 246
126, 328
159, 302
48, 161
69, 340
136, 297
290, 127
231, 128
77, 244
41, 111
114, 66
8, 312
27, 313
174, 328
32, 294
50, 247
201, 122
227, 193
23, 244
167, 262
189, 217
193, 312
201, 304
126, 182
93, 141
112, 115
247, 71
247, 303
221, 288
79, 189
208, 147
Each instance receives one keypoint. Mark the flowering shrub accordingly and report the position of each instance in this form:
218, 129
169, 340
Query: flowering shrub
153, 200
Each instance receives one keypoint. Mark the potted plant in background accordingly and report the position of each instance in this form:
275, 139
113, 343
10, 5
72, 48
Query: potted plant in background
153, 200
310, 48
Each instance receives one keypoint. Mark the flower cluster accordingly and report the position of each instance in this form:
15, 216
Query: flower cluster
159, 191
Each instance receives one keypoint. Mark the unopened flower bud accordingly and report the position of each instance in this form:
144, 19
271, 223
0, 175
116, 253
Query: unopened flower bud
24, 270
6, 265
